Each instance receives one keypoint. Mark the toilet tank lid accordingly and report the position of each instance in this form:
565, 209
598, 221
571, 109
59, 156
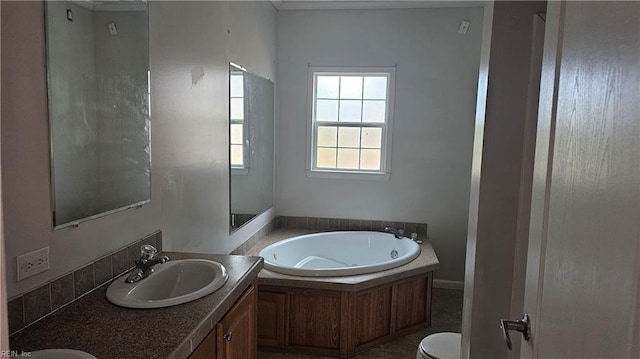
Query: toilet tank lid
444, 345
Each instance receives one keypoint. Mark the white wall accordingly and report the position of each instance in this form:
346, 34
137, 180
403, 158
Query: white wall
436, 80
495, 198
190, 193
190, 111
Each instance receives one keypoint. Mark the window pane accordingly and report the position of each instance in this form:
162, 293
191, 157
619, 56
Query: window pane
373, 111
348, 158
328, 86
351, 87
350, 111
327, 110
349, 137
237, 158
237, 109
375, 88
327, 136
372, 137
370, 160
237, 89
236, 134
326, 158
349, 117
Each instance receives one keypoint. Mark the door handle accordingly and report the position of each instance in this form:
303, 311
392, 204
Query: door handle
523, 326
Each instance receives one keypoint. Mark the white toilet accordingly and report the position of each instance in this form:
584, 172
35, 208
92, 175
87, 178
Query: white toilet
444, 345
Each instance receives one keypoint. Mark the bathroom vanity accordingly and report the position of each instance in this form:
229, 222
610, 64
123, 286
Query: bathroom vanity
235, 335
219, 325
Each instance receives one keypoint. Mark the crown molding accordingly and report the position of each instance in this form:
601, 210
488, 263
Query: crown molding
366, 4
105, 5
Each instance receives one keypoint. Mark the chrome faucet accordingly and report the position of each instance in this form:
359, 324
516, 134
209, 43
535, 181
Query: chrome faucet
399, 234
144, 265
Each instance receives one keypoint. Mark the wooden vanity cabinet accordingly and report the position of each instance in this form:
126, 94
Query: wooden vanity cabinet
206, 349
235, 336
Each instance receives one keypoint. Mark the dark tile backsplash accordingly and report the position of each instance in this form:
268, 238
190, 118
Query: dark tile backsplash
343, 224
103, 269
330, 224
133, 253
62, 291
249, 243
84, 280
37, 303
120, 261
15, 307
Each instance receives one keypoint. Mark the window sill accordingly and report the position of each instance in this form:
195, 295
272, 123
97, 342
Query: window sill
365, 176
239, 171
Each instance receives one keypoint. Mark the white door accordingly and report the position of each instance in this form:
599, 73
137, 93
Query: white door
583, 268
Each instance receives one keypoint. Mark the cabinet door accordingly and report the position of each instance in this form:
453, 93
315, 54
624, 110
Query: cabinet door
206, 349
237, 330
411, 297
273, 318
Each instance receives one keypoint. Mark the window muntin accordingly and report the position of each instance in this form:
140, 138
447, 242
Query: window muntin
350, 121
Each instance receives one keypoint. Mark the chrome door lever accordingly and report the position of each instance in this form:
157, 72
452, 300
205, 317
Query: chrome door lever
523, 326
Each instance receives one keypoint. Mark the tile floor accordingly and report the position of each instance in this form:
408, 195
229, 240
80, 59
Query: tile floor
446, 317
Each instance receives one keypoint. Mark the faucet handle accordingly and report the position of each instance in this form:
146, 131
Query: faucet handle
147, 251
414, 237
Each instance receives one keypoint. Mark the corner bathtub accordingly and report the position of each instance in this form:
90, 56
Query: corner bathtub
339, 253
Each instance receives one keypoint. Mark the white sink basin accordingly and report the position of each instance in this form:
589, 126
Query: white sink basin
60, 353
171, 283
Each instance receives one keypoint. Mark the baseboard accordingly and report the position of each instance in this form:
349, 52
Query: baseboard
448, 284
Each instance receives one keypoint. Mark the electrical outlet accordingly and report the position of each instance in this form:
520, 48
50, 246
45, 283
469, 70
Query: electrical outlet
464, 27
32, 263
113, 30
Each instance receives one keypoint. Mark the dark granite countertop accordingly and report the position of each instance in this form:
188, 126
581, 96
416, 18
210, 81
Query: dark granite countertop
94, 325
426, 262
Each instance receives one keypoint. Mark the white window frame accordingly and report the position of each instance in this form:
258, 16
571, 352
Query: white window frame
385, 157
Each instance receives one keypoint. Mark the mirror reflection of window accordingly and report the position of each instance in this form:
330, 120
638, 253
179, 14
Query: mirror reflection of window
237, 116
251, 143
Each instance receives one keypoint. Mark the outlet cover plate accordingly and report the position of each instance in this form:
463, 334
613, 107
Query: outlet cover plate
33, 262
464, 27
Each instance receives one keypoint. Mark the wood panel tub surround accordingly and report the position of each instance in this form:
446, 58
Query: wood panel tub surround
341, 323
364, 310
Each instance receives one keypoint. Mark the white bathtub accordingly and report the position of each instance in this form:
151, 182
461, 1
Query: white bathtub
339, 253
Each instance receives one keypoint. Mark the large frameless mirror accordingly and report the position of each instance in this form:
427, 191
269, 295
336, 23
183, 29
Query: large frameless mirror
251, 133
98, 81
